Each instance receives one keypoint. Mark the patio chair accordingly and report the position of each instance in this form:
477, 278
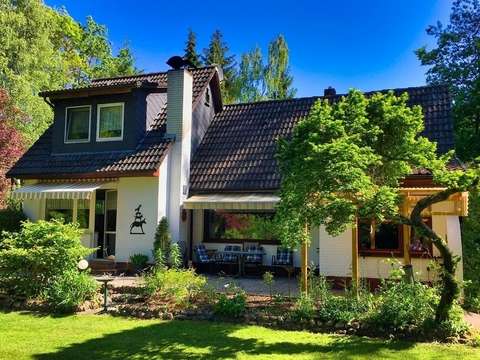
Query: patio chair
227, 259
284, 260
255, 259
203, 260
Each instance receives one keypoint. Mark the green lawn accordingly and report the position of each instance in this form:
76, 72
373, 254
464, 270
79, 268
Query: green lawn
26, 336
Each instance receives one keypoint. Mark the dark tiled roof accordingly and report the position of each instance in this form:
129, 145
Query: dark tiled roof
39, 161
238, 150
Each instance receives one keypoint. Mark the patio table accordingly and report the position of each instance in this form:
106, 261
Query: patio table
240, 256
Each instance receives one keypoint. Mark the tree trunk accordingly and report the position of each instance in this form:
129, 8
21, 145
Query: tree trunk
450, 288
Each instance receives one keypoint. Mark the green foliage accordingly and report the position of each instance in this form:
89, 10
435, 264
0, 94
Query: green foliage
175, 256
139, 261
454, 62
177, 286
43, 48
11, 219
303, 309
268, 280
161, 245
256, 81
471, 253
401, 305
346, 308
69, 290
231, 304
191, 49
40, 253
278, 79
217, 53
361, 148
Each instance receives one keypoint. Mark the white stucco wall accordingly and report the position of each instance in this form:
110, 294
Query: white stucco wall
134, 191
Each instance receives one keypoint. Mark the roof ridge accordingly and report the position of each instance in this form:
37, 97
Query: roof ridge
337, 95
144, 74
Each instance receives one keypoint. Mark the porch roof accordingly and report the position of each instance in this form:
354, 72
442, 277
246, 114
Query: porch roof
75, 190
232, 201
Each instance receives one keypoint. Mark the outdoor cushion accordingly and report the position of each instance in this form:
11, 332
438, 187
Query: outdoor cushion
256, 256
284, 257
229, 257
202, 255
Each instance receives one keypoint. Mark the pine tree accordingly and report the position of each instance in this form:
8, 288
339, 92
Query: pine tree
278, 81
217, 54
191, 49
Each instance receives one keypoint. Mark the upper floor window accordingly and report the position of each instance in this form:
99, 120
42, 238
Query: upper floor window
77, 124
110, 122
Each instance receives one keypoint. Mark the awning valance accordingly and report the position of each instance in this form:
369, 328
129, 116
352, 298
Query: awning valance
76, 190
232, 202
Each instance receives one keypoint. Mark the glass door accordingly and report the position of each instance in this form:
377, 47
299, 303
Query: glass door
110, 232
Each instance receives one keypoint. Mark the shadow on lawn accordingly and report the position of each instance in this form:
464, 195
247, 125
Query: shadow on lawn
204, 340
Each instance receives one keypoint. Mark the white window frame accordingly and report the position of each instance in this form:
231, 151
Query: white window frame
99, 106
65, 139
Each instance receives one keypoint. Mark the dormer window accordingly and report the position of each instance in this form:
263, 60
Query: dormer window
77, 124
110, 122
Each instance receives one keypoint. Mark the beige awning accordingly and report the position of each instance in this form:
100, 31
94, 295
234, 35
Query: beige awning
76, 190
232, 202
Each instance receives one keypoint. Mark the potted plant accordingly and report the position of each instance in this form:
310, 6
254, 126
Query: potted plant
139, 262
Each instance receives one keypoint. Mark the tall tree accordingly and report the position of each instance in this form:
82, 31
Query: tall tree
42, 48
362, 148
278, 80
11, 142
191, 49
456, 61
217, 53
250, 80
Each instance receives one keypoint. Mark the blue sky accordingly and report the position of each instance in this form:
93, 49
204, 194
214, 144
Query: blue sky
366, 44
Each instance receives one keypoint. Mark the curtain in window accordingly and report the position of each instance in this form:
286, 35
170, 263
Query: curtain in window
78, 120
110, 124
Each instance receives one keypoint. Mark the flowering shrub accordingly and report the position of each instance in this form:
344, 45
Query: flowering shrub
232, 303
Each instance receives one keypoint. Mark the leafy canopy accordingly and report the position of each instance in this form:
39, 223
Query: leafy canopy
348, 158
455, 60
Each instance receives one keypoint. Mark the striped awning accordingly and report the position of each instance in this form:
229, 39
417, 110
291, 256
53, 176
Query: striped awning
232, 202
77, 190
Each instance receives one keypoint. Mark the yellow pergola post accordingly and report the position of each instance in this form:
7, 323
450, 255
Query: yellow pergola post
355, 272
304, 256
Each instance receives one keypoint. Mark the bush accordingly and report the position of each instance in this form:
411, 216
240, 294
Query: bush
346, 308
231, 304
38, 255
402, 305
139, 261
70, 290
303, 309
161, 245
177, 286
11, 219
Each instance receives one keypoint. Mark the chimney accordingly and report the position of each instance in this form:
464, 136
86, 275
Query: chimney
330, 91
179, 127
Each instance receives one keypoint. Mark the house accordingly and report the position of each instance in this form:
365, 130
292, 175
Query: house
124, 152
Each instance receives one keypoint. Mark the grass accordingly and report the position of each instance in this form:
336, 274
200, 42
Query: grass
30, 336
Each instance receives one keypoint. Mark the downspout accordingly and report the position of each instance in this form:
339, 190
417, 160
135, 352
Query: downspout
190, 245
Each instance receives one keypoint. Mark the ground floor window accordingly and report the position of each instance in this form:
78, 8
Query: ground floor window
387, 239
228, 226
59, 209
68, 210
